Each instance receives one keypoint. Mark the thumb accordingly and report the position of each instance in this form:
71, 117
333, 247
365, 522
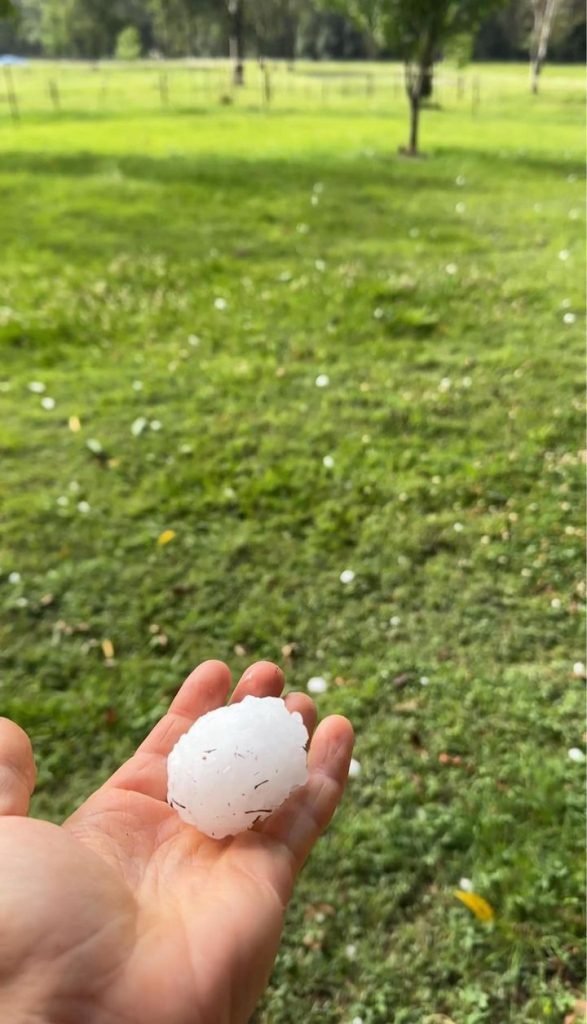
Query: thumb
17, 769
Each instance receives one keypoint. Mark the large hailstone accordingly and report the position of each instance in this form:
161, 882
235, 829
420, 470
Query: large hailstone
236, 765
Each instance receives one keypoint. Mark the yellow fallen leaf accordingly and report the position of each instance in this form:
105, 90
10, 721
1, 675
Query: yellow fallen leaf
74, 424
165, 537
482, 910
107, 649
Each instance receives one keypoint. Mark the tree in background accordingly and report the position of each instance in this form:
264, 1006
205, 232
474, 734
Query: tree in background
418, 30
543, 15
235, 10
128, 44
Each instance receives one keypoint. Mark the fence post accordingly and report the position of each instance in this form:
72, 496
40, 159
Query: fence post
11, 93
475, 95
53, 90
163, 89
266, 85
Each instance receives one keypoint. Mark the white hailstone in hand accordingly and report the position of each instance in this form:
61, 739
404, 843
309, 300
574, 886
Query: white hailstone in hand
138, 426
579, 670
354, 768
322, 380
48, 403
576, 754
317, 684
220, 304
37, 387
328, 462
14, 577
347, 576
236, 765
569, 318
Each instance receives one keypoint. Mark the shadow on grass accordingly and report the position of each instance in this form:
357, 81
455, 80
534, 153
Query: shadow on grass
279, 173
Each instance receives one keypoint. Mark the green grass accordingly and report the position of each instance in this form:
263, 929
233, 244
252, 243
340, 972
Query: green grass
454, 401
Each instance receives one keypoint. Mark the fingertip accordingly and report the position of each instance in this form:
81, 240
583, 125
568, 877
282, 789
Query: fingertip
261, 679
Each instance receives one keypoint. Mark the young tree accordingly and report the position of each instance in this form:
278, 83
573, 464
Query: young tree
417, 30
543, 15
235, 10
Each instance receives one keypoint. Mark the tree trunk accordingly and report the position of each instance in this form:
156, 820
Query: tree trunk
414, 124
544, 13
534, 75
236, 40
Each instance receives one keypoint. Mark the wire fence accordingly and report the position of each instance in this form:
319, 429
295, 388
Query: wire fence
38, 88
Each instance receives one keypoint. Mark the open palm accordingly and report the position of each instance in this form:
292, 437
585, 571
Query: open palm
125, 914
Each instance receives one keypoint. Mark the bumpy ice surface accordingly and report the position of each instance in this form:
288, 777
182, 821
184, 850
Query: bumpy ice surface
236, 765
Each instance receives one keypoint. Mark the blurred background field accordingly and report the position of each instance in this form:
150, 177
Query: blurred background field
246, 347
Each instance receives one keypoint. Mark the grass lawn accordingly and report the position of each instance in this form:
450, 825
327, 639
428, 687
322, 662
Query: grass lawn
192, 272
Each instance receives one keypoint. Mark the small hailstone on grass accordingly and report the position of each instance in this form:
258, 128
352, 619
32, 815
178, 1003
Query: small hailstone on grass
576, 754
314, 200
320, 265
194, 340
37, 387
378, 313
185, 449
466, 884
63, 501
347, 576
138, 426
328, 462
458, 527
236, 765
94, 445
137, 385
220, 304
579, 670
350, 951
155, 425
354, 768
14, 577
574, 214
564, 255
317, 684
460, 180
302, 229
556, 603
466, 382
424, 681
48, 403
445, 384
460, 207
569, 318
322, 380
83, 507
395, 621
451, 268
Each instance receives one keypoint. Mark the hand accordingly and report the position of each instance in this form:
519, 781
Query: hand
125, 914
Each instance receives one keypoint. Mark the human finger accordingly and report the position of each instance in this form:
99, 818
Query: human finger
17, 768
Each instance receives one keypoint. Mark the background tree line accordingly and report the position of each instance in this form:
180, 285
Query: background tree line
92, 29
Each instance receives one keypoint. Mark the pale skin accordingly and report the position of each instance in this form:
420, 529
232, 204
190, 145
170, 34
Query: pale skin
124, 914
